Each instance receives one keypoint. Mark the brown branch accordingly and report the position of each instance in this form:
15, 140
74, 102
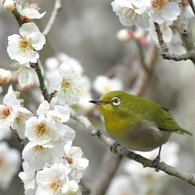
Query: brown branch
53, 17
182, 174
189, 55
147, 74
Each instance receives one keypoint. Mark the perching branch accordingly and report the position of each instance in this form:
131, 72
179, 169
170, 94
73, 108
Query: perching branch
182, 174
53, 17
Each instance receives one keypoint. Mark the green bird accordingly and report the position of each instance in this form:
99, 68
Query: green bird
137, 123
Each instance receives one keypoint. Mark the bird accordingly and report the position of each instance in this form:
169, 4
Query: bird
137, 123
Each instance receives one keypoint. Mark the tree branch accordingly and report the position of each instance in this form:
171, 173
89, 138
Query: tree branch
53, 17
179, 173
187, 39
43, 88
192, 5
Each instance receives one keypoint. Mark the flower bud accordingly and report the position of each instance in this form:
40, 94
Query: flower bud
9, 5
5, 76
124, 35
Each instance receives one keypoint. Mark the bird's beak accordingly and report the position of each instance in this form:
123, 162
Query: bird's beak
98, 102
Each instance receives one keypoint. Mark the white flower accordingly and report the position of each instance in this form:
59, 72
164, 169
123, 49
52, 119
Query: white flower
74, 63
12, 114
22, 48
73, 188
124, 35
103, 84
163, 10
85, 96
27, 176
67, 85
58, 113
73, 156
9, 5
41, 131
9, 166
5, 76
25, 73
37, 156
131, 12
29, 13
53, 180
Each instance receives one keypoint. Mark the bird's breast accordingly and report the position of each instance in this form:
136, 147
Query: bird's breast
141, 135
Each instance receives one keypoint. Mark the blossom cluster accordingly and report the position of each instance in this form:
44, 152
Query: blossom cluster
144, 13
52, 165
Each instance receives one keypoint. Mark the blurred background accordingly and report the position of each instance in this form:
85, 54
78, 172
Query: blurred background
86, 30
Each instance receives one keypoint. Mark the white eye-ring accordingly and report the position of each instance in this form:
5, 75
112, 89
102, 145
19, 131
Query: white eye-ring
116, 101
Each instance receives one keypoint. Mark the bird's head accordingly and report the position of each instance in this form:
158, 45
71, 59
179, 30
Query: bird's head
113, 102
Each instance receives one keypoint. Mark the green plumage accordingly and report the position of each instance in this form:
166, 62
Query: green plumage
137, 123
147, 109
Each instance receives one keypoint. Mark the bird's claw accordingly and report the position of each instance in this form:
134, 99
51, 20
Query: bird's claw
155, 163
113, 147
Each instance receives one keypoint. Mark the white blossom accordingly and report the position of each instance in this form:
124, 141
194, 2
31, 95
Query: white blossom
12, 114
103, 84
67, 85
9, 166
54, 179
9, 5
29, 12
74, 156
41, 131
25, 73
163, 10
5, 76
57, 113
131, 12
37, 156
28, 177
23, 48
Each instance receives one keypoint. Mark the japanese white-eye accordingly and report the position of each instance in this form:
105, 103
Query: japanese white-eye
136, 123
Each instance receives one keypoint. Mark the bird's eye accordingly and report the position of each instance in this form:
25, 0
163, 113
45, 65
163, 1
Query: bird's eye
116, 101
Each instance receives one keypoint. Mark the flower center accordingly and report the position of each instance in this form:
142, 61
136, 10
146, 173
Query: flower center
70, 161
159, 4
128, 13
39, 148
66, 83
56, 185
25, 44
41, 129
1, 161
6, 112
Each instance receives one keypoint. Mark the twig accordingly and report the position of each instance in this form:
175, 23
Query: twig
163, 45
182, 174
192, 5
43, 88
53, 17
189, 55
144, 65
146, 76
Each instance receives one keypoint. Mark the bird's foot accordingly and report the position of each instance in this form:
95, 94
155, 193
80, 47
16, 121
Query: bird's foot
155, 163
113, 147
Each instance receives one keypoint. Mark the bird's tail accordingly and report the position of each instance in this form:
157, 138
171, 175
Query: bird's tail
180, 130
